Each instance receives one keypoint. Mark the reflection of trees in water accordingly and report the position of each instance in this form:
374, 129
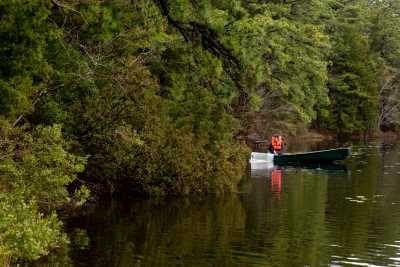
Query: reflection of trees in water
229, 231
290, 228
302, 235
181, 232
226, 231
311, 221
360, 228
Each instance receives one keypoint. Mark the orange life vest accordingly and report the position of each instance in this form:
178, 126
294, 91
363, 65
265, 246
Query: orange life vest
277, 143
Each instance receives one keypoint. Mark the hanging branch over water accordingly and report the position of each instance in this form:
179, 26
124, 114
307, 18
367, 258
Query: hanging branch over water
210, 41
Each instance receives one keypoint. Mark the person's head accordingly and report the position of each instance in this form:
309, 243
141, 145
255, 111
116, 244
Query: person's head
277, 136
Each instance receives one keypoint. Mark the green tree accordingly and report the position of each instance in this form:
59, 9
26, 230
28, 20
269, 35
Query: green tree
35, 170
25, 34
25, 233
353, 81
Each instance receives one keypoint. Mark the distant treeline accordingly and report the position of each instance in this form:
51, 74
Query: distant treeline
148, 97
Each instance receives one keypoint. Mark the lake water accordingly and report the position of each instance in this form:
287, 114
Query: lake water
341, 215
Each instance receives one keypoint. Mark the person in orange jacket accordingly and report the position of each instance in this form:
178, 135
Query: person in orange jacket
277, 144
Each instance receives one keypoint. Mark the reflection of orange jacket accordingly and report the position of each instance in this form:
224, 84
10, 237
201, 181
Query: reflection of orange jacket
277, 142
276, 180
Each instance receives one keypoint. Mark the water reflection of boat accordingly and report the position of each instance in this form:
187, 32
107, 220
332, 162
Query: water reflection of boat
262, 169
319, 166
262, 165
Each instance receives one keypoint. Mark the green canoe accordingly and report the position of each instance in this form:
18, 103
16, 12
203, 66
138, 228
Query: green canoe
313, 157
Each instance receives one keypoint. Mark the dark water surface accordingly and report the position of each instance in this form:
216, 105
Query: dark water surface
343, 216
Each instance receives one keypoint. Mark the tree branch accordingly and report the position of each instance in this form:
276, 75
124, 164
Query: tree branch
211, 42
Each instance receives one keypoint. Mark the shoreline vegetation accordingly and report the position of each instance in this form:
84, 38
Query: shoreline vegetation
151, 97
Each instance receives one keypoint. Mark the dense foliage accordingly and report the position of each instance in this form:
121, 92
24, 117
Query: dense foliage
149, 96
34, 172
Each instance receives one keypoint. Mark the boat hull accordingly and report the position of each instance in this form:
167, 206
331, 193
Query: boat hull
313, 157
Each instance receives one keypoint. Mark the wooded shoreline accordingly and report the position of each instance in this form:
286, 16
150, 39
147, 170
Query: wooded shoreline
148, 98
